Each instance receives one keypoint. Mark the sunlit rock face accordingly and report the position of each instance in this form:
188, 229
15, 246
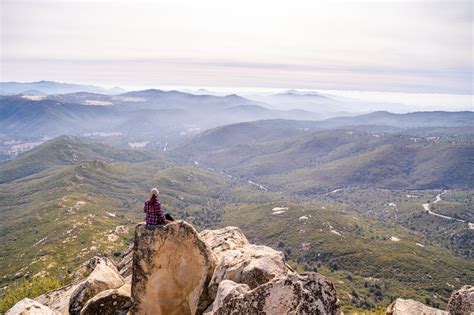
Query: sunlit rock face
224, 239
172, 267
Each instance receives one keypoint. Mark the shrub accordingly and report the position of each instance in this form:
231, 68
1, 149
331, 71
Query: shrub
27, 289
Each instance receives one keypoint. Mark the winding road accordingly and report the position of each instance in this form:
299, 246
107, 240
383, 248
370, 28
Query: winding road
427, 208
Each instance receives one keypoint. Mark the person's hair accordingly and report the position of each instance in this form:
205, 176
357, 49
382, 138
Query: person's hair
152, 202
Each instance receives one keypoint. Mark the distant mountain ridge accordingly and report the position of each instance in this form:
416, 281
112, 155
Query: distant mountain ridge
51, 87
149, 112
409, 120
169, 113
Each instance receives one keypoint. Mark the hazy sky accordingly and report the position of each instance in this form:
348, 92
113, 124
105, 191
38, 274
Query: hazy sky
411, 46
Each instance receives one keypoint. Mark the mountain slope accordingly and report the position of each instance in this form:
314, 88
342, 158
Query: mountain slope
303, 160
71, 208
65, 150
20, 117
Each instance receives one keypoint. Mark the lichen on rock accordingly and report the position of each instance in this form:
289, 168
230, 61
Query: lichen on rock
462, 301
308, 293
109, 302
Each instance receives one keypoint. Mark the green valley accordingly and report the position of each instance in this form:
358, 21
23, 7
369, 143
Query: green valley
70, 199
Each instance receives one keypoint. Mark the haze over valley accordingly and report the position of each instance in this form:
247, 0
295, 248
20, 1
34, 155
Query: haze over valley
317, 157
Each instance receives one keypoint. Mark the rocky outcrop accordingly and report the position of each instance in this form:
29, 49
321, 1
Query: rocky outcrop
109, 302
104, 277
251, 264
240, 261
308, 293
30, 307
412, 307
172, 267
462, 301
224, 239
175, 270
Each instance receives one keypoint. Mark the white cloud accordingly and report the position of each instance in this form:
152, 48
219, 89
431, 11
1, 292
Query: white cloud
425, 43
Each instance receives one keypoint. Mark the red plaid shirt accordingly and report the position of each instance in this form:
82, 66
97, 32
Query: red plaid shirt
154, 216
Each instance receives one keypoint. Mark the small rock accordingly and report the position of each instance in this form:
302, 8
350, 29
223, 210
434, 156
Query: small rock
412, 307
112, 237
121, 229
30, 307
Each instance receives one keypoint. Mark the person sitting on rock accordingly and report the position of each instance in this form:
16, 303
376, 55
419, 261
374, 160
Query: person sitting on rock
152, 208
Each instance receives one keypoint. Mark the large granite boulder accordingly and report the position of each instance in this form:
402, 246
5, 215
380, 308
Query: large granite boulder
412, 307
172, 267
109, 302
462, 301
30, 307
250, 264
308, 293
104, 277
227, 238
58, 300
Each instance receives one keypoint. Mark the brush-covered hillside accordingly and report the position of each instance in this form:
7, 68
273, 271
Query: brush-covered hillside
304, 160
80, 198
